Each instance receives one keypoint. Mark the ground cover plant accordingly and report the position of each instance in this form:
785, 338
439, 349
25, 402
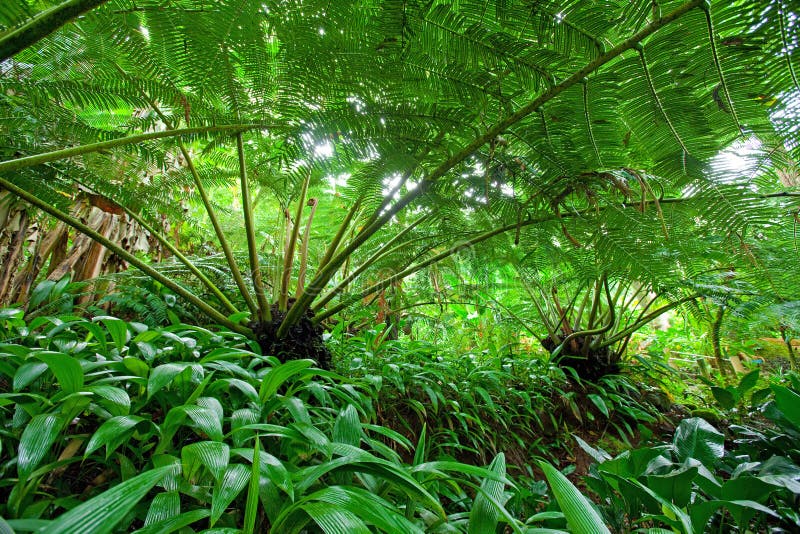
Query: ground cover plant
399, 265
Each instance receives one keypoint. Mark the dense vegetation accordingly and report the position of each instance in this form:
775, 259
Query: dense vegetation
399, 266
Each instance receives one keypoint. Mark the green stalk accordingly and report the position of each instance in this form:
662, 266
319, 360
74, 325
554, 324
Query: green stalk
324, 275
361, 268
212, 215
43, 24
644, 320
288, 258
301, 277
125, 255
414, 268
587, 333
184, 260
337, 239
64, 153
264, 312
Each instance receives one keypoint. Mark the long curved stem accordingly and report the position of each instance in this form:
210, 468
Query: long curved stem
43, 24
125, 255
264, 312
64, 153
183, 259
361, 268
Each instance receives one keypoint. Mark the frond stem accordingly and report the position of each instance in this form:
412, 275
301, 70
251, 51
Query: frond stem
264, 312
125, 255
718, 64
43, 24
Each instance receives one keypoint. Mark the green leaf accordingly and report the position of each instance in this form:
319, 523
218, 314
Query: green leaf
366, 506
165, 505
112, 433
117, 400
485, 515
36, 441
101, 514
347, 428
251, 506
227, 489
675, 486
788, 402
173, 524
695, 438
136, 366
27, 373
118, 330
5, 528
599, 402
581, 516
747, 383
334, 521
214, 455
278, 375
725, 398
205, 419
163, 375
273, 468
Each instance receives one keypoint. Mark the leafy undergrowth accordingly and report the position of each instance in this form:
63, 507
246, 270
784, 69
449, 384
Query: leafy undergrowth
107, 425
475, 406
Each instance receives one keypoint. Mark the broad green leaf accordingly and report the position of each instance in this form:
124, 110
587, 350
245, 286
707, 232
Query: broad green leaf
101, 514
485, 515
112, 433
214, 455
136, 366
251, 506
581, 516
164, 506
27, 373
725, 398
695, 438
747, 383
117, 328
204, 419
227, 489
5, 528
347, 428
272, 468
675, 486
278, 375
163, 375
366, 506
335, 521
702, 512
599, 455
788, 402
173, 524
36, 441
117, 400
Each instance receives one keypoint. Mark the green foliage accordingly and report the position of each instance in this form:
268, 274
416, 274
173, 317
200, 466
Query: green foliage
216, 435
696, 479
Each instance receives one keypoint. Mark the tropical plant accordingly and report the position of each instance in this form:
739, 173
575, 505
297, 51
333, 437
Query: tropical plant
97, 414
507, 117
